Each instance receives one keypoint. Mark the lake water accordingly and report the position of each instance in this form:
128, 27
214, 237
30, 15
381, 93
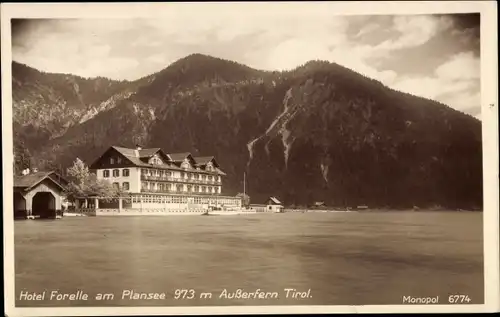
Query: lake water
343, 258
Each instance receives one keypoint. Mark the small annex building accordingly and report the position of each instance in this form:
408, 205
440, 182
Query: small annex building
38, 195
272, 205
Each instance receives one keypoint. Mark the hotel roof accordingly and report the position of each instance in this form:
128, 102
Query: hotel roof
136, 153
177, 157
131, 154
203, 160
148, 152
135, 156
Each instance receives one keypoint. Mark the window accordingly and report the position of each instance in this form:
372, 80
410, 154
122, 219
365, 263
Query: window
182, 174
204, 189
155, 160
111, 160
116, 185
179, 188
105, 173
126, 172
116, 173
197, 188
126, 186
118, 160
189, 188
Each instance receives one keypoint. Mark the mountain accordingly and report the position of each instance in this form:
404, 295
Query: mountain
320, 132
45, 105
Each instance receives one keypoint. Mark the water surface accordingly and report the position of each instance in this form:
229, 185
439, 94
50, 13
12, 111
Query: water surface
343, 258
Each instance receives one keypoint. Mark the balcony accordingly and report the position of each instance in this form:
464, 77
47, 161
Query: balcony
166, 191
202, 181
158, 178
162, 191
179, 180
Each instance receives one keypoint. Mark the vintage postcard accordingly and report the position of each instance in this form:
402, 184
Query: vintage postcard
230, 158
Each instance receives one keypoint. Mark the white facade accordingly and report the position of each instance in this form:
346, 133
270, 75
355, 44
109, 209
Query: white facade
170, 182
183, 202
275, 208
164, 181
116, 175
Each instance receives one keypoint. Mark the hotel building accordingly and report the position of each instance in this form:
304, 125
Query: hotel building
155, 179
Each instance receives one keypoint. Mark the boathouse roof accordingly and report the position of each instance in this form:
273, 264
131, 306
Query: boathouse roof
29, 181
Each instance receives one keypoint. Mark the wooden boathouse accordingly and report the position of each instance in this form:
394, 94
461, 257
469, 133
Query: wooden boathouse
38, 195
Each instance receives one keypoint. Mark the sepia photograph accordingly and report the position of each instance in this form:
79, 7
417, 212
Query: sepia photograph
258, 156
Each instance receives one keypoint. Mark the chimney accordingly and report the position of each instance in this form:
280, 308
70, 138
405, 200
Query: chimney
138, 147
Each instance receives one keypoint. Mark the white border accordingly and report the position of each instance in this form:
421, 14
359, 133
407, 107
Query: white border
489, 80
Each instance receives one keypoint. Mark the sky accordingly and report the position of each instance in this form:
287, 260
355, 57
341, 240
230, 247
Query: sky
432, 56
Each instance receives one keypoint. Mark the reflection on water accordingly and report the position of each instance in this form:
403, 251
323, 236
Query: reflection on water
343, 258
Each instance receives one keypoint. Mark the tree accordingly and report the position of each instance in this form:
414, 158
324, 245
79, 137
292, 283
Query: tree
83, 183
245, 199
22, 158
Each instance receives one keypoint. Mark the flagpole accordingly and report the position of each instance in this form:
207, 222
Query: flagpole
244, 188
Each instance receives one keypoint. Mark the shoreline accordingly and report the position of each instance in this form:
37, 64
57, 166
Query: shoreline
250, 212
379, 210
